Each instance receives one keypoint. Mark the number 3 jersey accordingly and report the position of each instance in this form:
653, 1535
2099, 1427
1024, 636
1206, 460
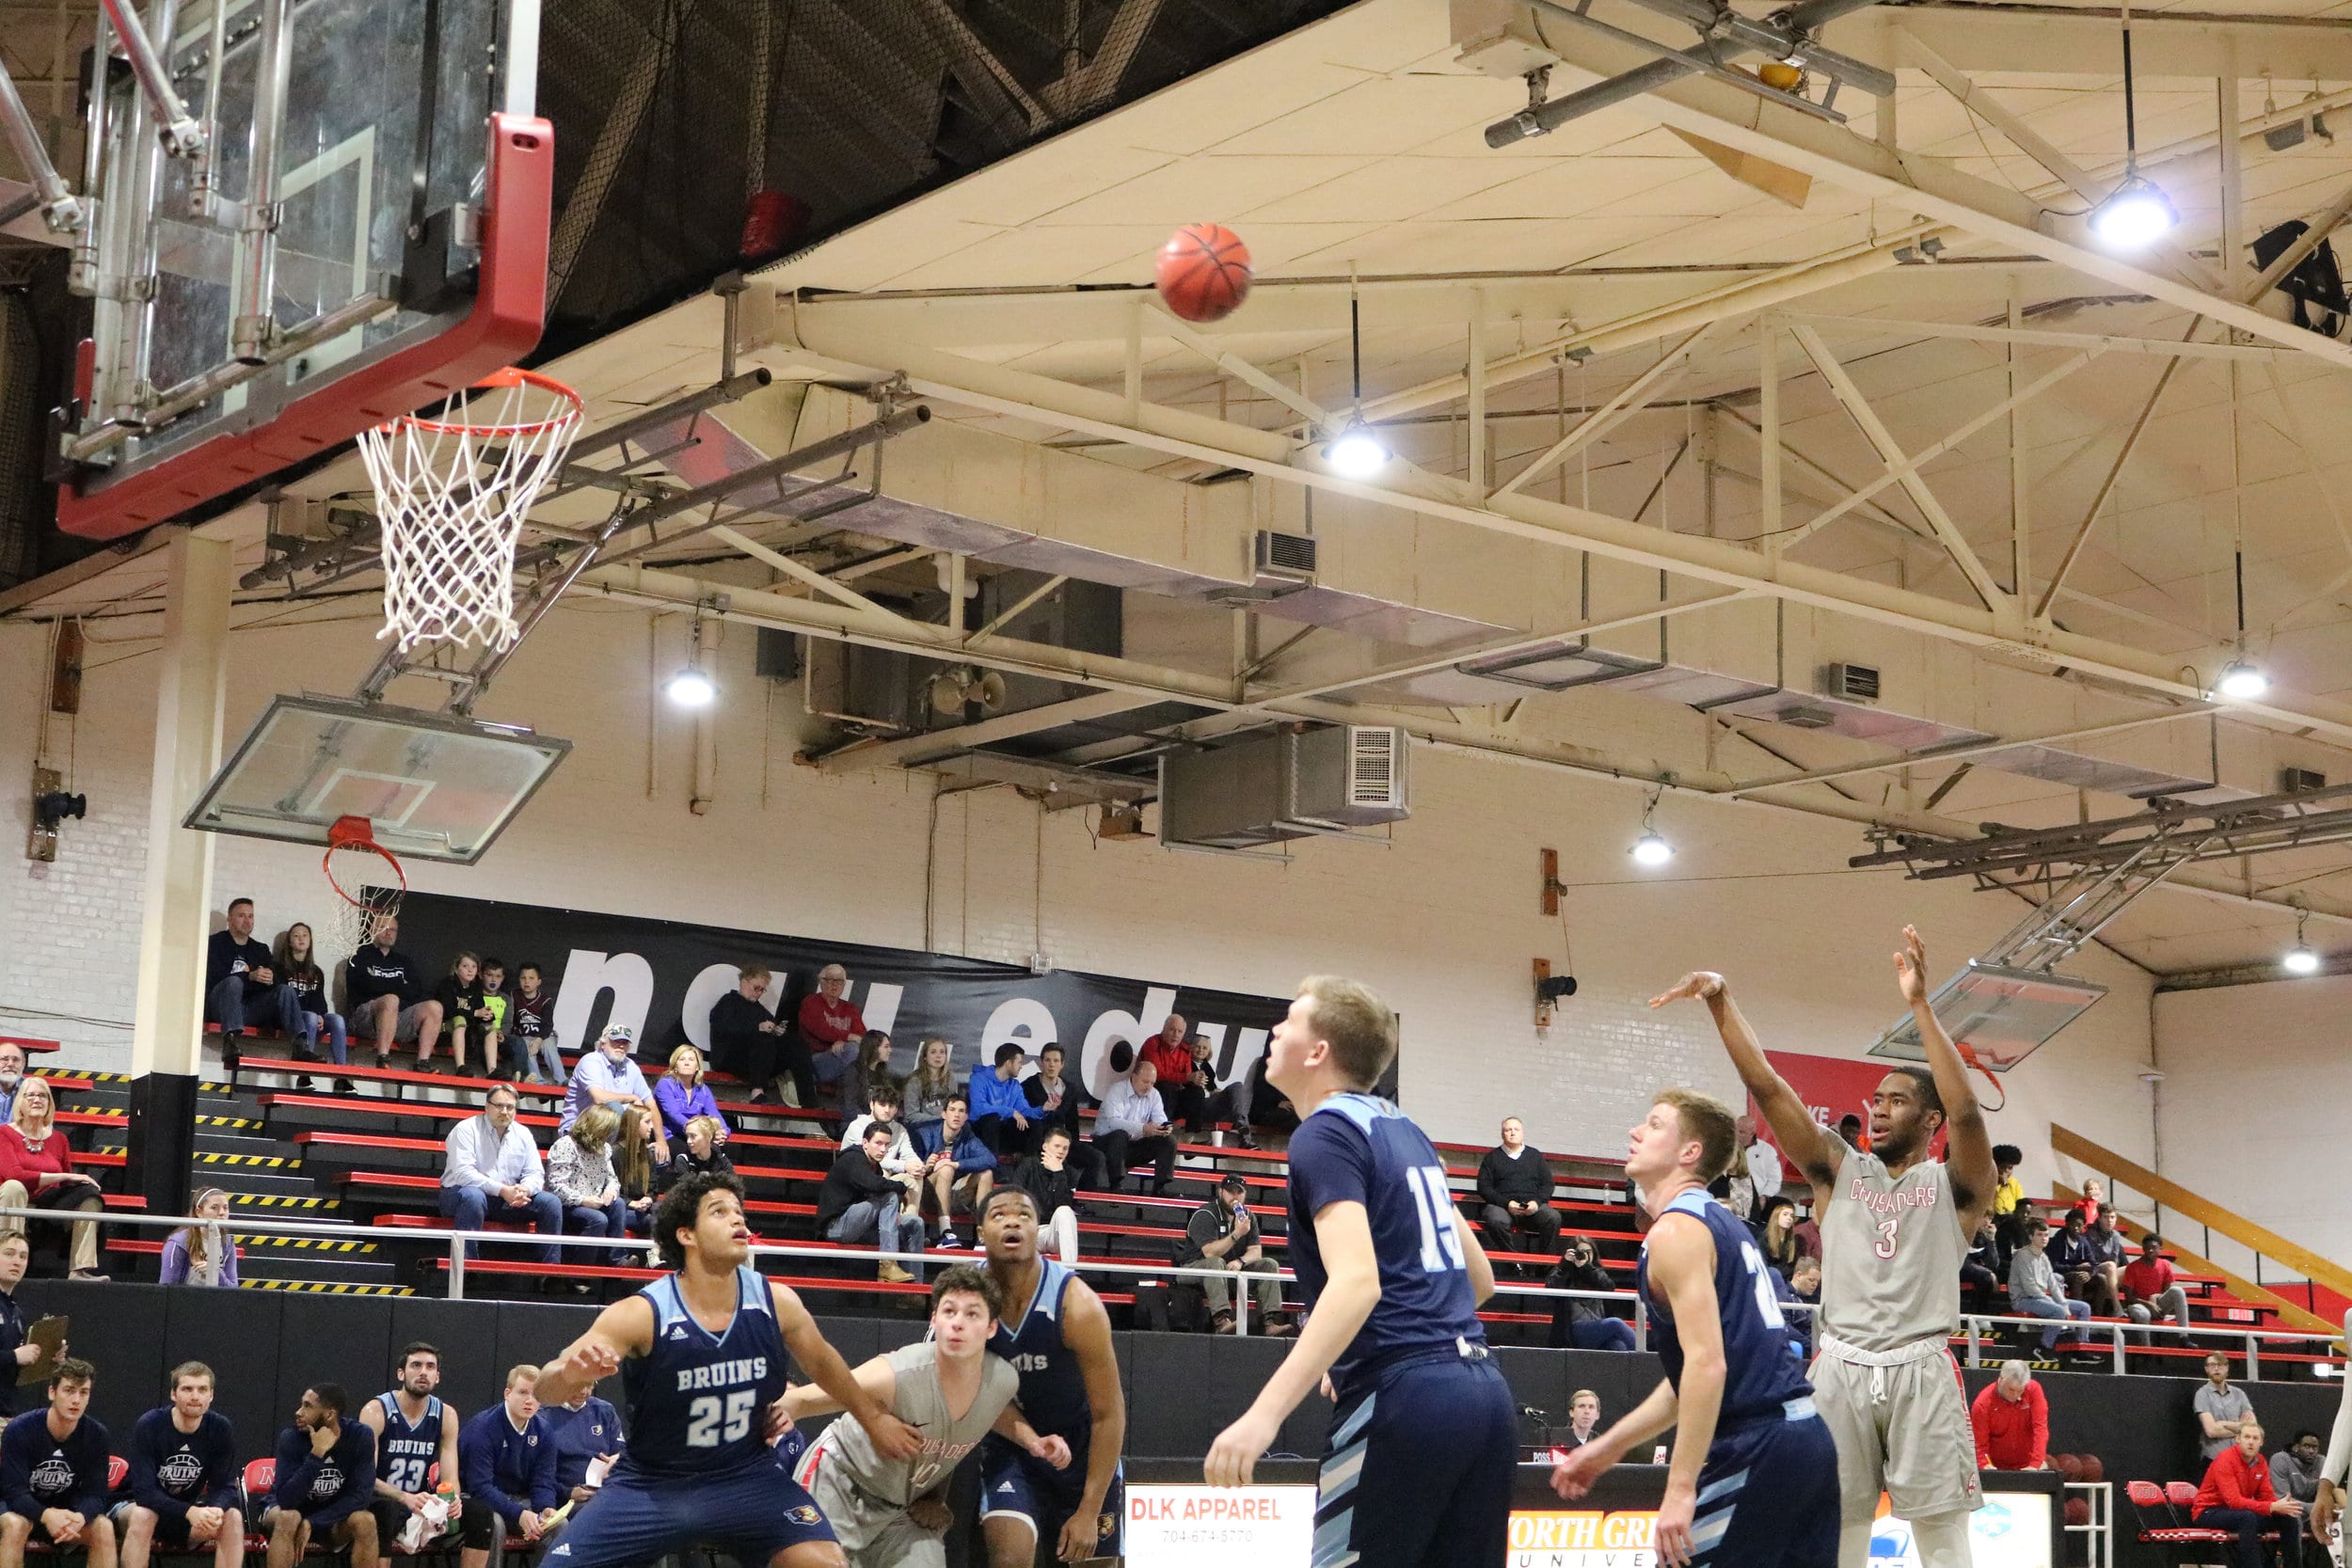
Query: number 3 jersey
1761, 1372
1359, 1148
696, 1399
1891, 1251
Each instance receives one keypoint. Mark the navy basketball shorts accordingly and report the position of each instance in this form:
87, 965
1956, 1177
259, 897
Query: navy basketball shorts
1016, 1484
751, 1513
1417, 1471
1768, 1496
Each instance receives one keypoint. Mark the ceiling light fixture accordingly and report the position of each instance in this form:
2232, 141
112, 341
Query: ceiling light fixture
689, 687
2241, 680
1651, 849
2137, 213
2300, 959
1356, 452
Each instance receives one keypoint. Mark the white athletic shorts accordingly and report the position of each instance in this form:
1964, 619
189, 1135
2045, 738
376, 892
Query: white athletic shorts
1901, 1426
871, 1533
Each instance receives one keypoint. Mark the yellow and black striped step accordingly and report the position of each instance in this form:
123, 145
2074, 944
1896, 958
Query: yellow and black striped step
230, 1124
328, 1288
243, 1162
306, 1244
125, 1078
274, 1200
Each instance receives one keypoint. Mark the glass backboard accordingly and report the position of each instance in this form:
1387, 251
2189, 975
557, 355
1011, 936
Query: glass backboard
432, 787
2002, 1015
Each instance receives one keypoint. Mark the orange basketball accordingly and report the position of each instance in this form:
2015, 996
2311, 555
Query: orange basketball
1203, 272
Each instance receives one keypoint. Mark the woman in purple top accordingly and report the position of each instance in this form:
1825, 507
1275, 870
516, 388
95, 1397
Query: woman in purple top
202, 1254
682, 1096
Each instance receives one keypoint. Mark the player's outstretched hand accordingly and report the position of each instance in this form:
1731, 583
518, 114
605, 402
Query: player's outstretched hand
1233, 1457
1699, 985
1054, 1451
591, 1362
893, 1438
1911, 967
1574, 1476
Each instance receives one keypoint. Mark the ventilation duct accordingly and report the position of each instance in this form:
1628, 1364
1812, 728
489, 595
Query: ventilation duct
1284, 785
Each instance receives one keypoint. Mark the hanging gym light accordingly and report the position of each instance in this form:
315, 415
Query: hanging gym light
2137, 213
689, 687
1356, 452
1651, 849
2241, 680
2300, 959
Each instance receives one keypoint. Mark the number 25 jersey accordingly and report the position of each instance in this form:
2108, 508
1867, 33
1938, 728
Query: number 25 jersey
696, 1399
1359, 1148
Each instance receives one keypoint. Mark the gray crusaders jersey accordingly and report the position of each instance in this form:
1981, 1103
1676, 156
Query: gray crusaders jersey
847, 1451
1891, 1251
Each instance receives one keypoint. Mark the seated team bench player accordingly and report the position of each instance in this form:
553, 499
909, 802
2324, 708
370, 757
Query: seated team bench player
182, 1475
325, 1475
52, 1475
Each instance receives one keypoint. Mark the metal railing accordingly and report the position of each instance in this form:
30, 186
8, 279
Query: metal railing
2118, 1337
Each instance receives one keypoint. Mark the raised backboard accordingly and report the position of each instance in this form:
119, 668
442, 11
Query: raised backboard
2002, 1015
407, 258
432, 787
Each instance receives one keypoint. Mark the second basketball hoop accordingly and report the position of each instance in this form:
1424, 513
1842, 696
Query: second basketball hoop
453, 491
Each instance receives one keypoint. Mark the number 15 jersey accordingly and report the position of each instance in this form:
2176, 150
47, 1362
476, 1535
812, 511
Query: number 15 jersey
695, 1398
1359, 1148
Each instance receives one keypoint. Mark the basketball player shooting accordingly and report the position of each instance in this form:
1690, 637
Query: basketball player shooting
1895, 1227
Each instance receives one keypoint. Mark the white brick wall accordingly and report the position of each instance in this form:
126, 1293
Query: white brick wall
1445, 922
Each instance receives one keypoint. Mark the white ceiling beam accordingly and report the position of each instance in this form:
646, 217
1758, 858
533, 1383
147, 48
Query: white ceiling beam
915, 750
1931, 187
824, 347
1627, 401
2162, 348
2064, 41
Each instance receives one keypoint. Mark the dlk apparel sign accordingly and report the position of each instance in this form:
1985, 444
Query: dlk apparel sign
661, 978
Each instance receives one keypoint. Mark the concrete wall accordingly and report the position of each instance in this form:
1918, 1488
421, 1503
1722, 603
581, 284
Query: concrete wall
1444, 923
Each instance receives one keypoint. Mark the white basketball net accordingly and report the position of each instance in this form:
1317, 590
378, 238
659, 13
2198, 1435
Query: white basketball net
453, 492
370, 887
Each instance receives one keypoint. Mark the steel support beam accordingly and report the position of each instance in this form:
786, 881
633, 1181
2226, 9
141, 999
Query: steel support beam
915, 750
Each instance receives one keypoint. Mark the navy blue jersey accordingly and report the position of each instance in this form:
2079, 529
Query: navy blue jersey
1761, 1372
1359, 1148
695, 1400
39, 1471
172, 1471
407, 1452
1052, 1384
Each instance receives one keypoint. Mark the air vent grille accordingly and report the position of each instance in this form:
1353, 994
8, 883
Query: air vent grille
1853, 683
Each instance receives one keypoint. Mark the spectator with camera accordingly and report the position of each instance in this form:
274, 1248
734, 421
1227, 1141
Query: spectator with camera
1223, 1234
506, 1457
1579, 1321
1515, 1194
182, 1477
54, 1475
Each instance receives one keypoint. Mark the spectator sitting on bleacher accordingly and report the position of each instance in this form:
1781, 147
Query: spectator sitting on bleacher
497, 1002
586, 1431
385, 998
2086, 1276
530, 1029
52, 1475
2223, 1411
36, 1172
2009, 1196
2094, 1202
1223, 1234
181, 1476
955, 1159
491, 1165
698, 1153
2033, 1284
1169, 1052
2237, 1496
830, 1029
1000, 1110
203, 1253
1230, 1104
313, 1015
861, 1203
925, 1089
1776, 1236
1515, 1194
1269, 1107
11, 1076
1045, 1176
18, 1353
2011, 1415
872, 1066
681, 1096
1762, 1161
506, 1460
2107, 1251
1804, 1285
461, 999
1980, 1271
882, 1110
633, 1160
325, 1475
2149, 1286
581, 1175
415, 1433
746, 1037
1579, 1321
609, 1075
1131, 1124
241, 987
1057, 1101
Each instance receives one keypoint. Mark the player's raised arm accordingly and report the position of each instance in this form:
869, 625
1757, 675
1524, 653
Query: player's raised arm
1086, 1329
878, 1377
1970, 1154
1809, 1145
621, 1331
1343, 1235
893, 1438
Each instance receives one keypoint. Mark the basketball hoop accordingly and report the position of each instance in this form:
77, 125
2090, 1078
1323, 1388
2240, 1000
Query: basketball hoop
355, 865
451, 493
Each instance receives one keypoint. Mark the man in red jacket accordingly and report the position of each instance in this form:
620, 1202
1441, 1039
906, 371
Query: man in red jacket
2012, 1417
1170, 1054
2236, 1495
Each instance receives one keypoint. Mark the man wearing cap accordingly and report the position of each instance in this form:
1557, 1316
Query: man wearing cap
609, 1076
1223, 1235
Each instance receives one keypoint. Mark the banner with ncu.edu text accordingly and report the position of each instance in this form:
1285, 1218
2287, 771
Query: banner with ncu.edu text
662, 976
